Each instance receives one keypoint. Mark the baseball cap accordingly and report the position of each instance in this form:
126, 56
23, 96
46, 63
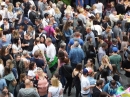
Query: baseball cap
26, 19
114, 49
85, 71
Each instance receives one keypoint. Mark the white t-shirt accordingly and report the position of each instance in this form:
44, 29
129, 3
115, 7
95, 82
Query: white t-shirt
55, 91
1, 70
97, 28
42, 47
84, 83
31, 73
99, 7
14, 46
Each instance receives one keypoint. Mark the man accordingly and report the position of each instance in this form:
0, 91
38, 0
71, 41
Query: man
100, 40
39, 46
115, 58
76, 55
126, 67
26, 6
90, 34
6, 26
28, 91
33, 15
118, 33
38, 23
85, 84
62, 48
3, 10
107, 32
98, 88
101, 51
66, 18
113, 18
77, 37
46, 19
39, 62
120, 7
111, 87
51, 55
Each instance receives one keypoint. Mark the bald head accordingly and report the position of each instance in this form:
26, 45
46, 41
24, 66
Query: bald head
27, 82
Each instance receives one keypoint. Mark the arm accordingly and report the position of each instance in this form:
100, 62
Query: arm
88, 87
49, 94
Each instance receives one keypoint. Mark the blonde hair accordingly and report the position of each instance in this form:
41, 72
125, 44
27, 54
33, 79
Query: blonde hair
81, 10
10, 8
11, 65
55, 82
15, 34
30, 28
57, 11
1, 61
105, 57
68, 9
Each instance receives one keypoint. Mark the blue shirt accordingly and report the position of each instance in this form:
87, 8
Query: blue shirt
91, 34
2, 84
76, 55
38, 62
71, 42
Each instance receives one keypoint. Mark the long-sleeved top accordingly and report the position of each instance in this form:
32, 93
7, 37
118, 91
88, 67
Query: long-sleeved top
101, 53
51, 52
76, 55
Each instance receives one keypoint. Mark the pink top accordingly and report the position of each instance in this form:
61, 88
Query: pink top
42, 86
50, 30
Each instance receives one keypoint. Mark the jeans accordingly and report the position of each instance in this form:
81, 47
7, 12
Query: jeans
62, 78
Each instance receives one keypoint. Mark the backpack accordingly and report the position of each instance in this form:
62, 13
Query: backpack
127, 52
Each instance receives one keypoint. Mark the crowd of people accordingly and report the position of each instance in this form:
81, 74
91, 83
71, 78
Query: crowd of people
48, 48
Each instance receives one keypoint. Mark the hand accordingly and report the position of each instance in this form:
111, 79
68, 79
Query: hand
125, 48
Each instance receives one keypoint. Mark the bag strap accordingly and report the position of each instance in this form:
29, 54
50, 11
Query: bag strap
56, 92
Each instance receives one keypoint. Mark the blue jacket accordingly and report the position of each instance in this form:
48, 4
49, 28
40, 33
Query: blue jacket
107, 88
76, 55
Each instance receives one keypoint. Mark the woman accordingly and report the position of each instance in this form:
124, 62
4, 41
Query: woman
10, 79
17, 8
42, 40
41, 82
32, 70
69, 10
91, 65
67, 30
16, 46
31, 31
67, 70
5, 54
6, 93
1, 68
54, 89
106, 22
10, 14
98, 18
57, 15
76, 74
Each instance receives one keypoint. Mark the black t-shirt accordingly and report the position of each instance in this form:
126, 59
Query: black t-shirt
31, 44
126, 65
96, 92
120, 9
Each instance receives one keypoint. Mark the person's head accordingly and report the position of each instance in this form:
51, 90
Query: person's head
22, 77
28, 83
4, 50
34, 8
80, 23
85, 72
30, 28
55, 82
114, 41
113, 84
90, 63
78, 67
21, 28
10, 8
89, 39
57, 11
105, 58
100, 38
118, 23
56, 75
104, 45
40, 28
37, 21
68, 15
42, 39
25, 53
28, 36
39, 71
108, 29
66, 60
100, 83
25, 20
103, 94
48, 41
67, 25
7, 70
63, 45
121, 2
125, 38
5, 21
36, 54
77, 34
5, 92
32, 65
44, 1
46, 15
18, 4
97, 16
9, 64
37, 41
107, 19
114, 13
88, 29
114, 49
61, 55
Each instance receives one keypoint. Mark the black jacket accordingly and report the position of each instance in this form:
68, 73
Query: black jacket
32, 16
96, 92
66, 70
120, 9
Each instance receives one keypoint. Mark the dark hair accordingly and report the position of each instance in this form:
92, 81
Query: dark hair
88, 39
91, 47
3, 50
22, 75
46, 15
114, 71
113, 82
95, 22
104, 44
7, 70
31, 66
15, 41
100, 37
125, 38
33, 7
103, 94
5, 19
61, 55
79, 67
42, 37
66, 60
80, 23
17, 55
56, 75
99, 82
0, 17
36, 54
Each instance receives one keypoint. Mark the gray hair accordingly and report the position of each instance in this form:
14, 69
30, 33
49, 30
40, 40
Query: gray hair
76, 44
25, 53
63, 44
